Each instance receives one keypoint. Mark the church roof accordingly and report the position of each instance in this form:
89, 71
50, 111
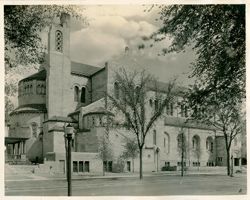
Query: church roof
41, 75
98, 110
61, 119
163, 87
83, 69
182, 122
76, 68
30, 108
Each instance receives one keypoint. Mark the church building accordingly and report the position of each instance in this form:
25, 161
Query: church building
67, 92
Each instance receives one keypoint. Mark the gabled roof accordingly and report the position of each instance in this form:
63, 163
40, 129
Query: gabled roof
41, 75
83, 69
163, 87
98, 110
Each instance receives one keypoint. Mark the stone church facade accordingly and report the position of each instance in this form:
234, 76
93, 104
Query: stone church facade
64, 91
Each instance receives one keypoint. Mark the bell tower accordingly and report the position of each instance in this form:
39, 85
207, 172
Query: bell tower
59, 67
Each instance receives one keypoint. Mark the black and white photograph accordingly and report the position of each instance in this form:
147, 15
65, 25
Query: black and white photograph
124, 100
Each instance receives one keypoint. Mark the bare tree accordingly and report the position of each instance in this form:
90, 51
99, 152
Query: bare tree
131, 101
130, 151
224, 114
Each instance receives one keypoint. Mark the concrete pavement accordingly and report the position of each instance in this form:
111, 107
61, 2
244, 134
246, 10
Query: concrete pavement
46, 176
151, 185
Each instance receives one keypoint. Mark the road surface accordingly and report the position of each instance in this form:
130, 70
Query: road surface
149, 186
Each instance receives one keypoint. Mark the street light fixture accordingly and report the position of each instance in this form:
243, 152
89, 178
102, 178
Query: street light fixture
69, 131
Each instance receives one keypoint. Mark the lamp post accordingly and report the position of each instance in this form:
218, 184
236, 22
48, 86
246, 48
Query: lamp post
69, 130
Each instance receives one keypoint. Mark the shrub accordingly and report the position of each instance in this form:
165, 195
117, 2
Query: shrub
169, 168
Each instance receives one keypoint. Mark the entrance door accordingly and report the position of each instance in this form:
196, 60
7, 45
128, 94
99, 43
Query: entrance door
236, 162
62, 166
128, 166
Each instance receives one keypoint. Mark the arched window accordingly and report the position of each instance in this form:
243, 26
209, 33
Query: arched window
42, 89
171, 109
150, 102
83, 95
59, 41
196, 142
166, 142
154, 137
38, 89
76, 94
156, 105
116, 90
34, 129
100, 121
31, 89
93, 121
25, 89
209, 144
182, 110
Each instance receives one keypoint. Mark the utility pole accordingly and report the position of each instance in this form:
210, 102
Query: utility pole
69, 137
69, 130
182, 152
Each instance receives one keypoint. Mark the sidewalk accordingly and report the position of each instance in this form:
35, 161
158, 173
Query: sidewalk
30, 177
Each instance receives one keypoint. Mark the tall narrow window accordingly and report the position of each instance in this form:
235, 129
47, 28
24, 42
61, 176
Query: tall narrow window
186, 111
166, 142
209, 144
76, 94
34, 129
83, 94
38, 89
156, 105
59, 41
196, 142
154, 137
167, 109
31, 89
171, 109
150, 102
182, 110
116, 90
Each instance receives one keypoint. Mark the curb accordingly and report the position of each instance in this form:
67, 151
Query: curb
76, 178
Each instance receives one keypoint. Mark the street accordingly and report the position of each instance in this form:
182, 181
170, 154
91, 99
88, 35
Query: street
132, 186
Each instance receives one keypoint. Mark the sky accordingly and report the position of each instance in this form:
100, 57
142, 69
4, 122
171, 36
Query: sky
112, 28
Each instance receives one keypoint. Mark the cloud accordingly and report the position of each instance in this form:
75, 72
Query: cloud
107, 36
111, 29
94, 47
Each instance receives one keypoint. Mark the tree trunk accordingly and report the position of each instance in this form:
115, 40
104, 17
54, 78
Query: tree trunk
133, 165
140, 163
103, 169
228, 162
182, 154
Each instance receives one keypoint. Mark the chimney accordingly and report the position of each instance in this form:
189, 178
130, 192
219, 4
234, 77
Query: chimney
106, 64
126, 50
65, 19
